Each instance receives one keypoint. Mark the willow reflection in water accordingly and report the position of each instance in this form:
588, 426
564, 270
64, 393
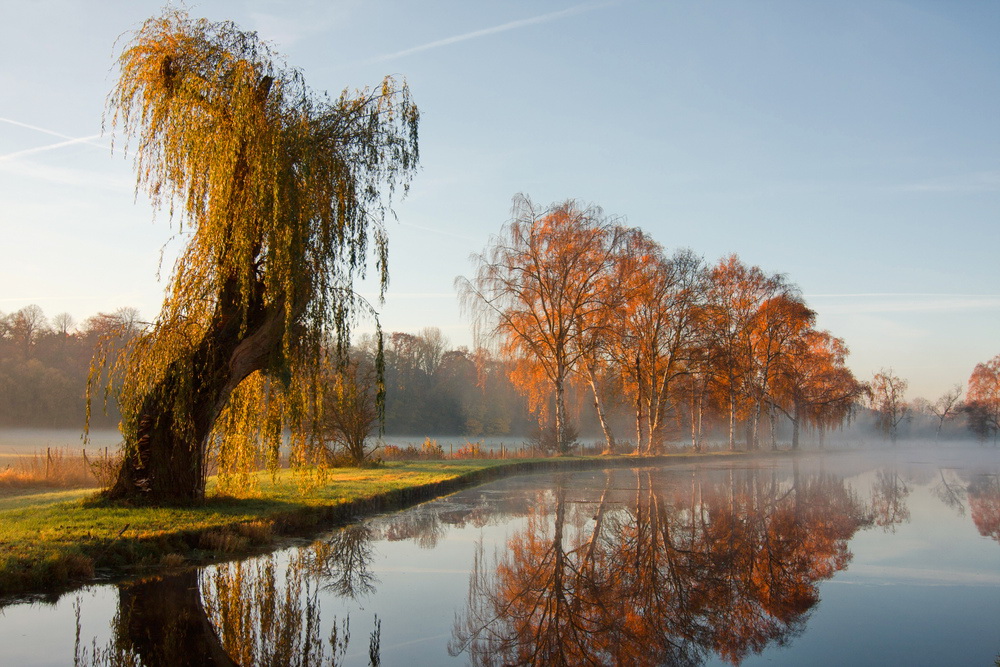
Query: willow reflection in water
256, 612
663, 579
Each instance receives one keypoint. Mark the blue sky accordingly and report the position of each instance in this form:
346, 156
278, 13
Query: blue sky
854, 146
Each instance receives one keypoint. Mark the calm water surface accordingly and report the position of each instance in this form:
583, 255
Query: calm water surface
836, 560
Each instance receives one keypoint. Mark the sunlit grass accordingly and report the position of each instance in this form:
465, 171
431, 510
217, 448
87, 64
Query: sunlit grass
49, 538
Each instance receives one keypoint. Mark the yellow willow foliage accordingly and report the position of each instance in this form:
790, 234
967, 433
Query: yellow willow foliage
280, 193
248, 436
261, 619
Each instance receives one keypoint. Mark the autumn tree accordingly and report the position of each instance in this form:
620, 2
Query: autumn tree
886, 396
778, 323
814, 387
749, 316
983, 399
280, 193
655, 328
537, 291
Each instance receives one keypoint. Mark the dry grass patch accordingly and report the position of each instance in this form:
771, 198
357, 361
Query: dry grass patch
55, 468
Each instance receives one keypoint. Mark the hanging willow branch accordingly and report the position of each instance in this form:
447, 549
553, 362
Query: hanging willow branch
282, 192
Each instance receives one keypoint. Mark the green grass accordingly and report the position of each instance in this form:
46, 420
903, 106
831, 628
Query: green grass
50, 541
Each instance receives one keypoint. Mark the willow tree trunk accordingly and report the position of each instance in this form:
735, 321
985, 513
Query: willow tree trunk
167, 462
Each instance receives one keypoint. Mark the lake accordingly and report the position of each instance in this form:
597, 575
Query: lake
842, 559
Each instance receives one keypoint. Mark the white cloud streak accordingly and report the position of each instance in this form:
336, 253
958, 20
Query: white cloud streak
476, 34
87, 140
850, 295
889, 575
48, 147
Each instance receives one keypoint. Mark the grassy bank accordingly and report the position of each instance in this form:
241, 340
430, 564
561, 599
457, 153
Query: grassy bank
53, 541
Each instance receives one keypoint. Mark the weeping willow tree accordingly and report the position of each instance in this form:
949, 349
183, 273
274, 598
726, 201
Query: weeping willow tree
281, 194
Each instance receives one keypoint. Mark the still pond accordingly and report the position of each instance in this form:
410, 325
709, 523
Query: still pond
816, 560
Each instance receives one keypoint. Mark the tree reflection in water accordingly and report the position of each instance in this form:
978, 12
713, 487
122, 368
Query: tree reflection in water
984, 501
888, 503
253, 612
980, 490
664, 577
650, 567
342, 561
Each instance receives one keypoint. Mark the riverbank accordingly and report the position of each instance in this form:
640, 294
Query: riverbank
51, 543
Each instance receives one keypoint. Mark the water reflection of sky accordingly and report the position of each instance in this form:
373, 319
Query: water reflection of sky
923, 592
922, 586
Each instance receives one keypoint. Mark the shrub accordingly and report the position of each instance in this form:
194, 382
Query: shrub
431, 450
471, 450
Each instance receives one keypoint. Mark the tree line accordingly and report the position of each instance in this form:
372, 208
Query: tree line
575, 296
44, 363
977, 408
433, 388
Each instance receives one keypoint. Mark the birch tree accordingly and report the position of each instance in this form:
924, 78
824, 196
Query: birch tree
539, 287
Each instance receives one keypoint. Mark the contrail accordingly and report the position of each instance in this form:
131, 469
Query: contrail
512, 25
52, 132
49, 147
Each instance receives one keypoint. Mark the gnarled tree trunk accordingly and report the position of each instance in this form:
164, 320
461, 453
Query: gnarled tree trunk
167, 461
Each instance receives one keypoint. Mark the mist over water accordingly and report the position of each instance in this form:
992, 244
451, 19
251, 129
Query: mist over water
27, 441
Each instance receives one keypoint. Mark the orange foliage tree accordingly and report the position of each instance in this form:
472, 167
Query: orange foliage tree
571, 295
779, 322
751, 318
655, 328
983, 399
538, 290
813, 386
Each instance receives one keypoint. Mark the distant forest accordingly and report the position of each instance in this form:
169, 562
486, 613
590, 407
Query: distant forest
432, 389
